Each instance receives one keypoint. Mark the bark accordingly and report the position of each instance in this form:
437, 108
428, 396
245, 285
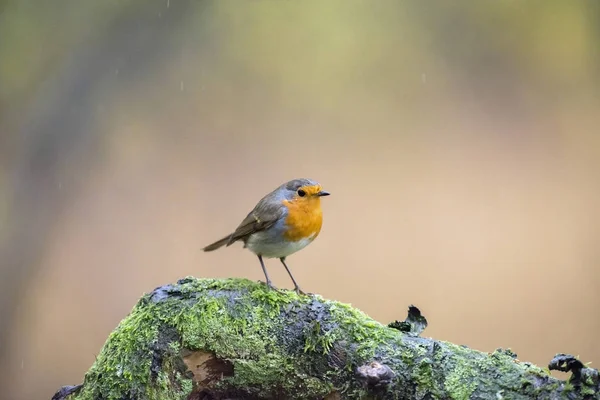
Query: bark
236, 339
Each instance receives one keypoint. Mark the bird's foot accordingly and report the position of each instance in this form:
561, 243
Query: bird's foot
300, 291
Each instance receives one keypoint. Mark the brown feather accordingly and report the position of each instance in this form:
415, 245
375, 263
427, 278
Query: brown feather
217, 244
263, 216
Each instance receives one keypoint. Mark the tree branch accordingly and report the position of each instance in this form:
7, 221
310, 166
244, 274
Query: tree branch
236, 339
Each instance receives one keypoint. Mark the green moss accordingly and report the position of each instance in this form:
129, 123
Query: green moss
460, 383
588, 380
317, 339
425, 378
408, 358
274, 373
424, 374
588, 391
278, 343
274, 299
235, 329
124, 358
361, 329
568, 387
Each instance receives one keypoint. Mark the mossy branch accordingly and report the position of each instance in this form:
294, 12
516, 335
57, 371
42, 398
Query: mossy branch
236, 339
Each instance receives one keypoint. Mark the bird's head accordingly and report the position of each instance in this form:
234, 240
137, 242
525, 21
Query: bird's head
303, 190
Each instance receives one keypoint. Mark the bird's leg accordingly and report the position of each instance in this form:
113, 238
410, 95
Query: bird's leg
296, 287
262, 264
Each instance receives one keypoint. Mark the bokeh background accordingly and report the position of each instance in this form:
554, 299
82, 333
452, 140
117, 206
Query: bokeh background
460, 142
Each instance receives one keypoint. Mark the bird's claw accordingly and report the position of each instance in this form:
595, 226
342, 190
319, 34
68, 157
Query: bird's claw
299, 291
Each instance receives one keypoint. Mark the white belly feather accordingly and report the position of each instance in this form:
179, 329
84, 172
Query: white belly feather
260, 245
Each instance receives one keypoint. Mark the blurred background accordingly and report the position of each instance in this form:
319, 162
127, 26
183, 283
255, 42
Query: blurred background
460, 142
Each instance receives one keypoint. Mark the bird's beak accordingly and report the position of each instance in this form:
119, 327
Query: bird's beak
322, 193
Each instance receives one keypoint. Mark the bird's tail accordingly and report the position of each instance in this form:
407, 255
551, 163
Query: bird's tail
218, 243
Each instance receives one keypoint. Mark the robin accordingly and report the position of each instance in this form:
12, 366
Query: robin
283, 222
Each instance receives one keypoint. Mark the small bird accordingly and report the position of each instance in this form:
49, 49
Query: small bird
283, 222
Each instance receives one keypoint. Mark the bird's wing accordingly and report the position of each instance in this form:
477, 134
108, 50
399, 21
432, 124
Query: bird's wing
262, 217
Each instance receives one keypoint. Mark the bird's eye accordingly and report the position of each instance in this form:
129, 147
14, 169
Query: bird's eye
301, 193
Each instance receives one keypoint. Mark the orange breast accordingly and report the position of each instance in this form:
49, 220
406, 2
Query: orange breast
304, 219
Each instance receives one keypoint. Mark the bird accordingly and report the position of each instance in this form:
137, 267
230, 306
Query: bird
283, 222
